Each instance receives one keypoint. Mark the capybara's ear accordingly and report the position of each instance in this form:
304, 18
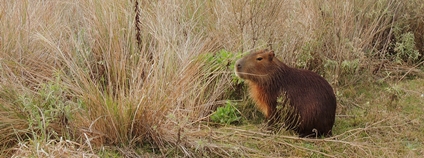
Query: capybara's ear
271, 55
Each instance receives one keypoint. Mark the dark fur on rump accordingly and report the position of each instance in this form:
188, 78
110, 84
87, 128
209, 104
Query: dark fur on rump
310, 94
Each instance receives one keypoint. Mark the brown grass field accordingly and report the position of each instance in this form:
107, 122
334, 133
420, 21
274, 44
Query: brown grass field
139, 78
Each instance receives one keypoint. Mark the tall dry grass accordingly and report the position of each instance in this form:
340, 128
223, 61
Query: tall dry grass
83, 72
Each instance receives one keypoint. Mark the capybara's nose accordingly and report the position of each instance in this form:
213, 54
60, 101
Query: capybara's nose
238, 66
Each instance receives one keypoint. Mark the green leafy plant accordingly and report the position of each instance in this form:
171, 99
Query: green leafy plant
305, 56
405, 48
226, 115
224, 61
34, 118
221, 65
47, 110
350, 66
394, 93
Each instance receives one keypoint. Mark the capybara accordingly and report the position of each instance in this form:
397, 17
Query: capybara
308, 93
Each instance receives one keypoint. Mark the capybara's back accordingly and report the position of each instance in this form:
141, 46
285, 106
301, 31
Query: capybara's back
309, 94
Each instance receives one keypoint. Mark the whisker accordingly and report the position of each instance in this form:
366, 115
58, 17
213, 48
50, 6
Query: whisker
245, 73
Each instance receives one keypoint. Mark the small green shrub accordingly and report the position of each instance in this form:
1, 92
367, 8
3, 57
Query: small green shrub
305, 56
350, 67
221, 64
47, 111
35, 117
224, 61
226, 115
405, 48
394, 94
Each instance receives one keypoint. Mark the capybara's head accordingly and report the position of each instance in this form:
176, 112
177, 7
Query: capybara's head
257, 66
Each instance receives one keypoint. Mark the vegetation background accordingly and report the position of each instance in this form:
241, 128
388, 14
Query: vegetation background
134, 78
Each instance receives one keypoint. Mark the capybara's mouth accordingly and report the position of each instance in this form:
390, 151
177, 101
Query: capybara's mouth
239, 74
237, 68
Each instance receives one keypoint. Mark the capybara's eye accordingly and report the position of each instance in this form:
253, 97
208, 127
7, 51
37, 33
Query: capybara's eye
259, 58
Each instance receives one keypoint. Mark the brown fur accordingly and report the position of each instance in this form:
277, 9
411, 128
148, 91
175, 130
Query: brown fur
310, 94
